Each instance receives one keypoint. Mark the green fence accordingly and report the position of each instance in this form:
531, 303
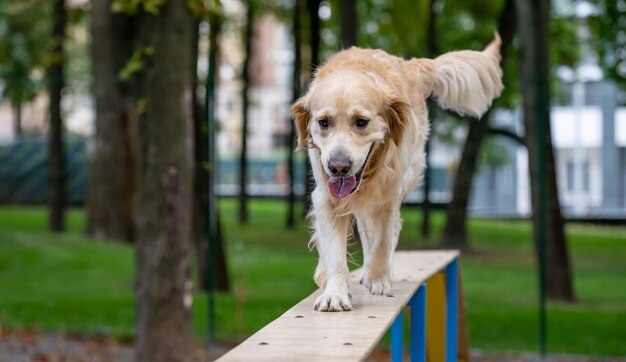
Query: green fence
24, 174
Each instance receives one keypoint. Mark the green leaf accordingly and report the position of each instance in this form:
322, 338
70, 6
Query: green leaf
135, 63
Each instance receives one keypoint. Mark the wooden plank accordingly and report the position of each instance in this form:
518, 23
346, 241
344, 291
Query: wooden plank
302, 334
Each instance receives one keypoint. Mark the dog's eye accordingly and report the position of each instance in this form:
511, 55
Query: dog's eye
362, 122
323, 123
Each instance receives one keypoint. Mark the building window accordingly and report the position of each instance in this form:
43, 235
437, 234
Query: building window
571, 176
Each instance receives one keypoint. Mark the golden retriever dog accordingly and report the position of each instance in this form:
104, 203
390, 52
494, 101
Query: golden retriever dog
364, 122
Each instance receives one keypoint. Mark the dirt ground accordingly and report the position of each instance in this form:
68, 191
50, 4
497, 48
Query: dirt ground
27, 346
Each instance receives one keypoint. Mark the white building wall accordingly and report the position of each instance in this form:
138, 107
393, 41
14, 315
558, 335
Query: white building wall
620, 127
591, 196
576, 127
267, 114
6, 122
565, 140
523, 182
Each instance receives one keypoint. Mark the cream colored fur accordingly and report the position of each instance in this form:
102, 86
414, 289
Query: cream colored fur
390, 94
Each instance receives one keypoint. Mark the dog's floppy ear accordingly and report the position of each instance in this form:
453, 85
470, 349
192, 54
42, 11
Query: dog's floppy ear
467, 81
301, 117
397, 114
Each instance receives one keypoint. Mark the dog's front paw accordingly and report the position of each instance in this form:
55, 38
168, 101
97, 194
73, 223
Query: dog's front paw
377, 286
333, 301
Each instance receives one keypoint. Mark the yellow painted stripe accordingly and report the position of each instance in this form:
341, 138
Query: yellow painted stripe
436, 318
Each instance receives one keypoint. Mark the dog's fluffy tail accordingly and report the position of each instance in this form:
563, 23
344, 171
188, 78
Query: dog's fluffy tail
467, 81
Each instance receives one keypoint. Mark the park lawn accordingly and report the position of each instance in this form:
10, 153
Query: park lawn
67, 282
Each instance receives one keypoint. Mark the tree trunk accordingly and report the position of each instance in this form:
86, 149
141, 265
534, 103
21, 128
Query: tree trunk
245, 104
164, 180
215, 244
17, 120
455, 230
112, 163
426, 206
56, 82
533, 23
295, 94
220, 268
431, 51
349, 23
201, 174
315, 30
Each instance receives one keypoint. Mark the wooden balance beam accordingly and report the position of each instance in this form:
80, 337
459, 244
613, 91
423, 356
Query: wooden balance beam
302, 334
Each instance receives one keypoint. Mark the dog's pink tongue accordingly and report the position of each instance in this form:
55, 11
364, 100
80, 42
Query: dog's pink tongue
341, 186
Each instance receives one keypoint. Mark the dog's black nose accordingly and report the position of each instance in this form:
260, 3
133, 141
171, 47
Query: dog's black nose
339, 165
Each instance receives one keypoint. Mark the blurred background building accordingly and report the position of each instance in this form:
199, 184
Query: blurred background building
589, 135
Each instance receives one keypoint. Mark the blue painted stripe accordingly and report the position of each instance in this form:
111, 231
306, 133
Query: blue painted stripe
397, 338
452, 285
418, 325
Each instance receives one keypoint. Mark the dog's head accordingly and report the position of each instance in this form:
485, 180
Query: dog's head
346, 115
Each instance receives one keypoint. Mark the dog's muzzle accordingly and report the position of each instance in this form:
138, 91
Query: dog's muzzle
342, 186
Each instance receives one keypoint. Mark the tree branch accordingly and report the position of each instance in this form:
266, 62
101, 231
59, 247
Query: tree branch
507, 133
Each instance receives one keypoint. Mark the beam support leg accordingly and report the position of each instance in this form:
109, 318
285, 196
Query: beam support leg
452, 315
418, 325
397, 338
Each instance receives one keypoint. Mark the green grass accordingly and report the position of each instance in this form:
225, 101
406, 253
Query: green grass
62, 282
68, 282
